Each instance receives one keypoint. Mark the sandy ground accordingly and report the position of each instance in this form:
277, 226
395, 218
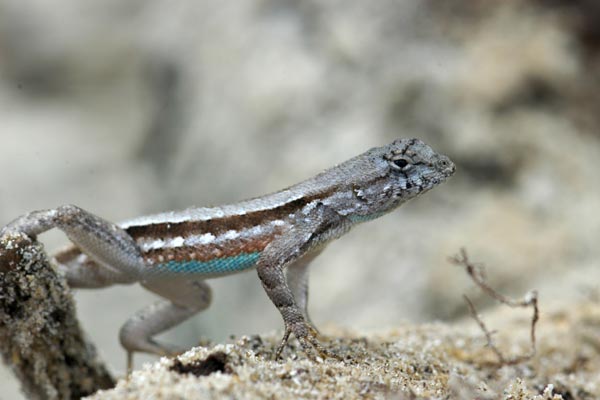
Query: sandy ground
124, 112
429, 361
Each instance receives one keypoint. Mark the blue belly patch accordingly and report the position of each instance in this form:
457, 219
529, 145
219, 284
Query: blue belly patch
217, 266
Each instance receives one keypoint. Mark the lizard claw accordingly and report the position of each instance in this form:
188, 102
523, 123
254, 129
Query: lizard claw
284, 340
307, 337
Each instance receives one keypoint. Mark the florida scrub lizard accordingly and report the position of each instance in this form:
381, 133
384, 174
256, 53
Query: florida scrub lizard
173, 253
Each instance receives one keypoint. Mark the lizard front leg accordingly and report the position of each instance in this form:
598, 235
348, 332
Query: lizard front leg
309, 231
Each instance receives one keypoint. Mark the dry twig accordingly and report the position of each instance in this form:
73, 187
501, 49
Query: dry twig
477, 273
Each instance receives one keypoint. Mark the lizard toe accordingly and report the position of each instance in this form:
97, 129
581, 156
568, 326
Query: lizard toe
307, 336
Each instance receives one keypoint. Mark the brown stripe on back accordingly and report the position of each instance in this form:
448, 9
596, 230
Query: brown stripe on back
207, 252
218, 226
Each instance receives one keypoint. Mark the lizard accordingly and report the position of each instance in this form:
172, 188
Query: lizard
173, 253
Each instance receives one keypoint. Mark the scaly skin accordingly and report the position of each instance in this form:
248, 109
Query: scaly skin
173, 253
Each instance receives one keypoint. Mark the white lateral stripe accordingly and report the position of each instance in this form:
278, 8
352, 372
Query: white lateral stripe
147, 244
195, 240
229, 235
152, 244
175, 242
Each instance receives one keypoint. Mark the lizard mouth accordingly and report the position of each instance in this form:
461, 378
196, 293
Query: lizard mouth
445, 167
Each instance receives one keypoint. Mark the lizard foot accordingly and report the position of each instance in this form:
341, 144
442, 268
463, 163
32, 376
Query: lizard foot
307, 337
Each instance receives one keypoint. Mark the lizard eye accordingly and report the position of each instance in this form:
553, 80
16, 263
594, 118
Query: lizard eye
399, 163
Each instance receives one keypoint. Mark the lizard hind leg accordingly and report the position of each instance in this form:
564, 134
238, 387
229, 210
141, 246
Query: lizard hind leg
183, 299
108, 245
81, 271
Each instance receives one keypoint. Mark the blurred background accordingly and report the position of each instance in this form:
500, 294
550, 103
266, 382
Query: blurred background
126, 107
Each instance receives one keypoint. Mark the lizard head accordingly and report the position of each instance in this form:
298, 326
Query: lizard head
414, 167
400, 171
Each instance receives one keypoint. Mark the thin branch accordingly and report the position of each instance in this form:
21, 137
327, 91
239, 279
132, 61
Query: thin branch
477, 273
